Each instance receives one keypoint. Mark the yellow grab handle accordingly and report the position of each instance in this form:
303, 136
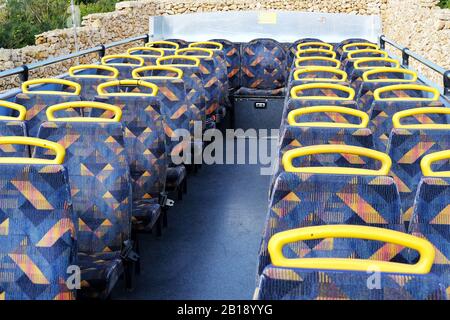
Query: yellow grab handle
198, 44
377, 93
101, 88
300, 60
385, 160
14, 106
331, 54
350, 55
188, 58
360, 61
425, 164
155, 44
347, 47
56, 147
416, 111
26, 86
382, 70
208, 51
296, 89
114, 71
84, 104
178, 71
316, 44
138, 60
158, 52
313, 69
294, 114
424, 247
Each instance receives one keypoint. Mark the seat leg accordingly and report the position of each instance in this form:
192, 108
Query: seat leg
184, 186
137, 264
164, 214
180, 192
159, 227
128, 275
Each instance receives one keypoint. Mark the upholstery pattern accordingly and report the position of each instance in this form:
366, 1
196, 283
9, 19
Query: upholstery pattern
37, 232
263, 65
302, 284
303, 200
339, 48
364, 92
88, 86
99, 180
291, 49
406, 149
13, 128
233, 61
37, 104
292, 104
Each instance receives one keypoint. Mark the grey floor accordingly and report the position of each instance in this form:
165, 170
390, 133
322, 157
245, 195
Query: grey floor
210, 249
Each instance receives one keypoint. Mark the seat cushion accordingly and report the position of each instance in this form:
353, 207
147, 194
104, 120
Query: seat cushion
175, 176
260, 92
145, 214
99, 273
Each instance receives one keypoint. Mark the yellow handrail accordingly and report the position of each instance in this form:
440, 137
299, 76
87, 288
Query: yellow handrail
377, 93
424, 247
374, 51
188, 58
160, 52
294, 114
14, 106
56, 147
84, 104
101, 89
208, 51
425, 164
26, 86
359, 44
315, 43
331, 54
139, 61
382, 70
385, 160
218, 45
360, 61
179, 72
332, 86
114, 71
416, 111
299, 60
336, 71
175, 46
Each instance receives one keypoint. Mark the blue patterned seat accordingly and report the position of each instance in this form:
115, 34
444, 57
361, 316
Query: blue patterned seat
89, 77
149, 54
13, 125
362, 65
125, 63
263, 68
45, 93
101, 193
355, 55
144, 143
232, 55
37, 231
311, 199
356, 44
279, 283
291, 49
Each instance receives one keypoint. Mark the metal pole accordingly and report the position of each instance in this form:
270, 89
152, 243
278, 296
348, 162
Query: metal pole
74, 25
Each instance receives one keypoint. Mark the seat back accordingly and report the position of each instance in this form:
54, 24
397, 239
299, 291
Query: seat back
125, 63
349, 45
355, 55
365, 64
37, 226
149, 54
292, 48
39, 94
99, 175
263, 64
144, 133
13, 125
232, 55
90, 76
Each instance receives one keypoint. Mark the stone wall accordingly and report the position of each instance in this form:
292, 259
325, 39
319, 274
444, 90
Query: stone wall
131, 18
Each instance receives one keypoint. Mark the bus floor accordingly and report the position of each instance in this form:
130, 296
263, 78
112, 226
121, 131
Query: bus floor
210, 249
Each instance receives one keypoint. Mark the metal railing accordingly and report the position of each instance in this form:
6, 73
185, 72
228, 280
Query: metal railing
24, 71
407, 54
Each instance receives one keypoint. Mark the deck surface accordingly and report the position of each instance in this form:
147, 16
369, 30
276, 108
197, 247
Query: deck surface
210, 249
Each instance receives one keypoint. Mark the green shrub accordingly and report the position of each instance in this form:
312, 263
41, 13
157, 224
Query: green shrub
444, 3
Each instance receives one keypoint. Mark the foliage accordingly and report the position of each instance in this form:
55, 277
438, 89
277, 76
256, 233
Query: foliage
444, 4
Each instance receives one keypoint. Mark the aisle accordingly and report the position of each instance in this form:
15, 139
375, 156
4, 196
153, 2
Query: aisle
210, 249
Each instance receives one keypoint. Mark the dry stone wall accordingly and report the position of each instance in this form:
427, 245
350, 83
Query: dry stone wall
416, 23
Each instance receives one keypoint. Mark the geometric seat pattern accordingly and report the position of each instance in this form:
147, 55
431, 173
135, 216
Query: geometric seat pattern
263, 66
381, 118
340, 47
13, 128
292, 104
37, 232
279, 283
431, 220
406, 148
291, 49
303, 200
233, 61
364, 92
37, 104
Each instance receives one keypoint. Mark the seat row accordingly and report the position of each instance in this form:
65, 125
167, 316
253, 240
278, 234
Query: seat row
341, 223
